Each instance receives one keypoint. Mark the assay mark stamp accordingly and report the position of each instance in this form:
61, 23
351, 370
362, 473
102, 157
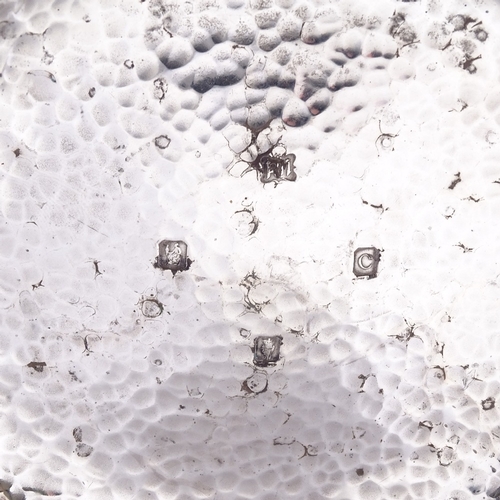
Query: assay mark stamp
266, 350
172, 256
366, 261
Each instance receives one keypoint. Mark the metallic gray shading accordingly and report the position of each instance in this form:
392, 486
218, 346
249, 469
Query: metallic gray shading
266, 350
271, 167
172, 256
366, 261
277, 168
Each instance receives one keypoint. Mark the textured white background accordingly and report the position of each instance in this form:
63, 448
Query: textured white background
385, 388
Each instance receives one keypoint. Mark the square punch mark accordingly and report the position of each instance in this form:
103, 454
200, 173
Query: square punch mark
277, 168
172, 256
366, 261
266, 350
